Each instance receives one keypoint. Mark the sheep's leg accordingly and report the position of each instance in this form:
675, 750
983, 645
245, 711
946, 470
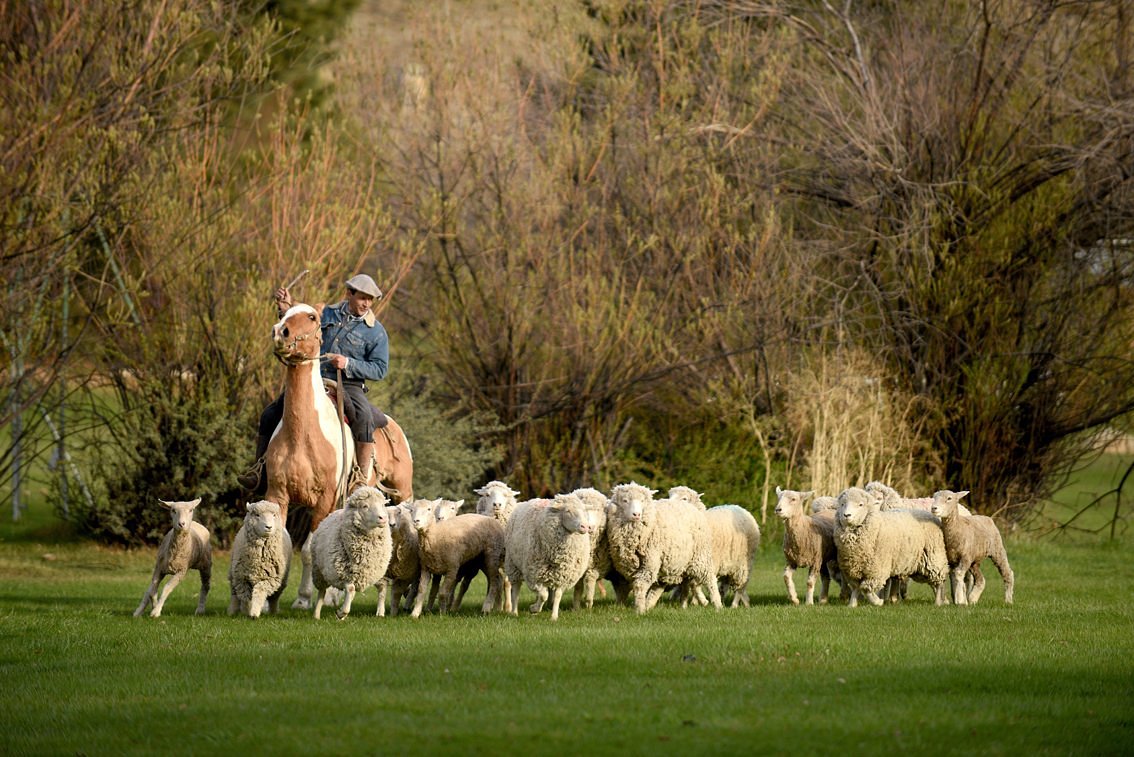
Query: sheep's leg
306, 583
320, 598
494, 598
514, 595
714, 593
233, 603
699, 595
541, 598
556, 596
256, 605
460, 595
348, 598
957, 579
1001, 563
446, 594
641, 595
206, 582
382, 586
653, 595
824, 584
577, 594
148, 597
422, 591
433, 592
939, 593
170, 585
978, 583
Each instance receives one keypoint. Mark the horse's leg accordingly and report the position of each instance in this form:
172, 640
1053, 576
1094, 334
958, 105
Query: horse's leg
306, 583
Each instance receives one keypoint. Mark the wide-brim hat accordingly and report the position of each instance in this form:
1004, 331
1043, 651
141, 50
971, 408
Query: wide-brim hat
360, 282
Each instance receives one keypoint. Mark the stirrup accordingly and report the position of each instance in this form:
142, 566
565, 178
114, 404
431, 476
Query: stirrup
250, 478
357, 479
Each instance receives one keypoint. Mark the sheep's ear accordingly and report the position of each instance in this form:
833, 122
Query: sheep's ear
611, 508
961, 494
481, 491
458, 504
194, 503
165, 504
807, 495
779, 491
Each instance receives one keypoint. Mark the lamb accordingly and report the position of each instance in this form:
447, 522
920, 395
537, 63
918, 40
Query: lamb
875, 545
656, 544
735, 541
351, 549
261, 557
185, 547
968, 540
809, 541
469, 541
404, 569
548, 545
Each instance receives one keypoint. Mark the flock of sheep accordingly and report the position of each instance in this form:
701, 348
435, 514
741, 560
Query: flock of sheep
426, 552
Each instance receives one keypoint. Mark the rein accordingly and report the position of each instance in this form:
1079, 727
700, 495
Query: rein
284, 352
345, 482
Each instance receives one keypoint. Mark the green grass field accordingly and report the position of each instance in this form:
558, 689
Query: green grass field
1052, 674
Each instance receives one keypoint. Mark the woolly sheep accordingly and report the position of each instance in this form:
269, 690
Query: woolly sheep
875, 545
261, 556
496, 500
968, 540
823, 504
548, 546
404, 569
735, 541
687, 494
656, 544
600, 567
809, 541
185, 547
469, 541
351, 549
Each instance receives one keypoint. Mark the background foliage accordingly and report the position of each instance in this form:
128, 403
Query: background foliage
725, 243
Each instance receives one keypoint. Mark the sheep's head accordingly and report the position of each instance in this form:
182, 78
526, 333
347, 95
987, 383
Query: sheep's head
790, 503
496, 499
854, 505
686, 494
446, 508
367, 507
595, 503
262, 518
631, 501
819, 504
572, 514
181, 513
946, 502
423, 513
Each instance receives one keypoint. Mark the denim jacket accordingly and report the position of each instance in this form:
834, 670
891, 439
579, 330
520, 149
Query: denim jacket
364, 342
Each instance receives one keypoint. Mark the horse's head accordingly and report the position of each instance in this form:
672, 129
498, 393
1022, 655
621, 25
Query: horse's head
297, 337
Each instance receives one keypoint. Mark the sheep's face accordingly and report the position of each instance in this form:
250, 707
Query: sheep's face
572, 514
446, 509
630, 500
422, 513
945, 503
592, 498
181, 513
263, 518
789, 503
496, 499
686, 494
854, 505
370, 514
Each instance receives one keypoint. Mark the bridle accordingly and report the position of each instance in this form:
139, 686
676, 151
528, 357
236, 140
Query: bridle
285, 351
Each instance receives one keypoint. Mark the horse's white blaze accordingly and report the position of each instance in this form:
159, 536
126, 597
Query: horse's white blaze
332, 427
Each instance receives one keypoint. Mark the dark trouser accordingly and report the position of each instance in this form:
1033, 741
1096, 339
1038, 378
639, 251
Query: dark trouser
363, 417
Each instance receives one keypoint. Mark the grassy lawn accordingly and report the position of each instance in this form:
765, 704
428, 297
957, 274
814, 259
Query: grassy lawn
1052, 674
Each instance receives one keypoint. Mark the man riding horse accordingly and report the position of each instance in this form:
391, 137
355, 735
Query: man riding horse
355, 343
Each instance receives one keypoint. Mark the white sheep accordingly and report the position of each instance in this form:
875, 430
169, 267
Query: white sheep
600, 566
496, 500
261, 557
404, 569
687, 494
875, 545
968, 540
351, 549
823, 504
469, 542
184, 547
736, 540
809, 541
659, 544
548, 546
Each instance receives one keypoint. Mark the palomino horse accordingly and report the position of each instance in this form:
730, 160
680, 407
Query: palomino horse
306, 464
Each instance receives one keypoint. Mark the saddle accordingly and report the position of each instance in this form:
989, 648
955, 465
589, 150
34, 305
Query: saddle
332, 389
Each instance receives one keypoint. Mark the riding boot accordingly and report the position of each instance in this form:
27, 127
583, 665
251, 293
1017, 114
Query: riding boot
363, 464
250, 479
